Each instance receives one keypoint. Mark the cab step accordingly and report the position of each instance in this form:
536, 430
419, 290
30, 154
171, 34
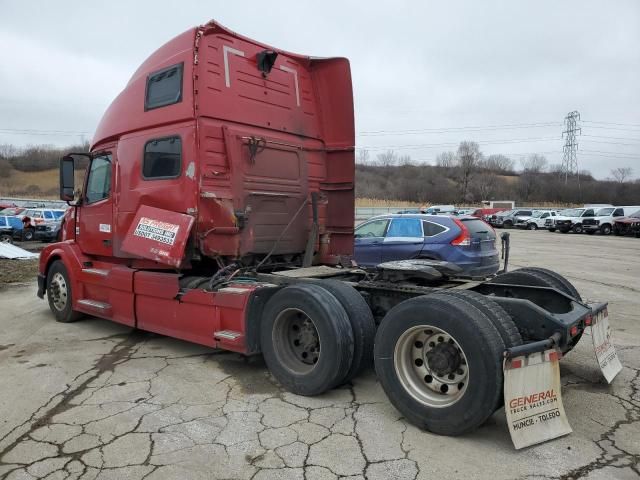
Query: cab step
101, 308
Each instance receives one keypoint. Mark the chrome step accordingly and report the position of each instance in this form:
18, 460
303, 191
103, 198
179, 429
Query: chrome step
96, 271
227, 335
94, 304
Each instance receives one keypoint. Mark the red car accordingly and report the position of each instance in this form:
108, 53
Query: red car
627, 225
485, 212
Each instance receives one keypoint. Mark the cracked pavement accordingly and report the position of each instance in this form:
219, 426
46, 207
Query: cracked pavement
96, 400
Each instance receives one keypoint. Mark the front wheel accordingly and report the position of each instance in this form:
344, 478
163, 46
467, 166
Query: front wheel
59, 293
532, 226
605, 229
6, 238
438, 359
28, 235
577, 228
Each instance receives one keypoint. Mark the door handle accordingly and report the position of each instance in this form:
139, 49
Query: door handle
106, 243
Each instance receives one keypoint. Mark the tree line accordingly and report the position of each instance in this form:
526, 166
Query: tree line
467, 176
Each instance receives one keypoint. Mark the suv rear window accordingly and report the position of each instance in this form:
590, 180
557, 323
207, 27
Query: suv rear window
477, 227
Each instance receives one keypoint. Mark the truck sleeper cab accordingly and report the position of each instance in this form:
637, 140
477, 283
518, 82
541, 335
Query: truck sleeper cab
218, 208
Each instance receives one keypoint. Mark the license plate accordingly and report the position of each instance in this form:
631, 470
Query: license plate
603, 347
532, 398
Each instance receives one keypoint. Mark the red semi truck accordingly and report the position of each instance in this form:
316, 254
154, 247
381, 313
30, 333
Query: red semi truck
218, 207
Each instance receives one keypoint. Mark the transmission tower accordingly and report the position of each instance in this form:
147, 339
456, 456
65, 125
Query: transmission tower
570, 150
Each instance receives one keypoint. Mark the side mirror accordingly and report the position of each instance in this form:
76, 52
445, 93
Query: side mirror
67, 180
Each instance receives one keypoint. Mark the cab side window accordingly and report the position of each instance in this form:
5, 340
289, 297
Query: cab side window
99, 181
619, 212
589, 213
162, 158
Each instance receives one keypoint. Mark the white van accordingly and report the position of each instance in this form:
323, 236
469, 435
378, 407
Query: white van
440, 210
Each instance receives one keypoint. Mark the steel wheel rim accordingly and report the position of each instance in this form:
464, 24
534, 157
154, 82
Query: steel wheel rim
58, 291
421, 373
296, 341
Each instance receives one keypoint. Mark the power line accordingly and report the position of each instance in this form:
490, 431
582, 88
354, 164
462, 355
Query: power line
613, 123
449, 144
374, 133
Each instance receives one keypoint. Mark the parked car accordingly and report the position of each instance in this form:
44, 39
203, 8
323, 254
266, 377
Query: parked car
569, 219
439, 210
10, 228
32, 217
48, 232
605, 218
508, 219
466, 241
12, 211
535, 221
627, 225
485, 213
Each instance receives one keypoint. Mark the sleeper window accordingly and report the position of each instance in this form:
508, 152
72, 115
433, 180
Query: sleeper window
162, 158
164, 87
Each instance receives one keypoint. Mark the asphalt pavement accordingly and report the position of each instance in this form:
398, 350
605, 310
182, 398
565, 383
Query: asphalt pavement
96, 400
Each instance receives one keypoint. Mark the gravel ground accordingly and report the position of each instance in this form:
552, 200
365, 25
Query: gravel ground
95, 399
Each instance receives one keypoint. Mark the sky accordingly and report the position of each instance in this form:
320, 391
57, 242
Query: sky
426, 74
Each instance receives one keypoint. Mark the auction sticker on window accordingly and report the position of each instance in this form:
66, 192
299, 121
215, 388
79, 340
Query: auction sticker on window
156, 230
603, 346
532, 399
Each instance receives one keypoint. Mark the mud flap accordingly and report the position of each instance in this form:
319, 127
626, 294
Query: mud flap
532, 398
603, 347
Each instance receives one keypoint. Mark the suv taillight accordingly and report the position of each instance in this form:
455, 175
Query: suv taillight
465, 237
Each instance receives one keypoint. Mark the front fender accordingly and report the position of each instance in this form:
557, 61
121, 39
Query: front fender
69, 253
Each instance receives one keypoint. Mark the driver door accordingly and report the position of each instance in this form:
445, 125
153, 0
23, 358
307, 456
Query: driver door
94, 223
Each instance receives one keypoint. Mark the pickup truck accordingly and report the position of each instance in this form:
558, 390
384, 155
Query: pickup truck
569, 220
605, 217
535, 221
508, 219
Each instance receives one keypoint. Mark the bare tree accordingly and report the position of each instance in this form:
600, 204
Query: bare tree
387, 158
405, 160
447, 160
498, 163
535, 163
622, 174
363, 156
469, 157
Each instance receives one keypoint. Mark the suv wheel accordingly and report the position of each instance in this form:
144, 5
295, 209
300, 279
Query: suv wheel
532, 226
577, 228
27, 235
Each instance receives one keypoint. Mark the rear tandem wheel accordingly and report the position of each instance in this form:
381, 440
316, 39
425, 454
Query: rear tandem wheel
439, 360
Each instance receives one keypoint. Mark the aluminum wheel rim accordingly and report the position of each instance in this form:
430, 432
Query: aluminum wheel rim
296, 341
58, 291
421, 373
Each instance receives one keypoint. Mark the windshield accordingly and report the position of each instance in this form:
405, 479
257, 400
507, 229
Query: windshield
537, 214
572, 212
603, 212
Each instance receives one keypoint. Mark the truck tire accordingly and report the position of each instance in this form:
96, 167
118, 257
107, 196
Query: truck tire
28, 234
306, 339
577, 228
363, 325
59, 293
499, 317
532, 226
439, 360
541, 277
6, 238
605, 229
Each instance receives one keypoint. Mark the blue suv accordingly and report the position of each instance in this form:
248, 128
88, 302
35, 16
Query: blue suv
468, 242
